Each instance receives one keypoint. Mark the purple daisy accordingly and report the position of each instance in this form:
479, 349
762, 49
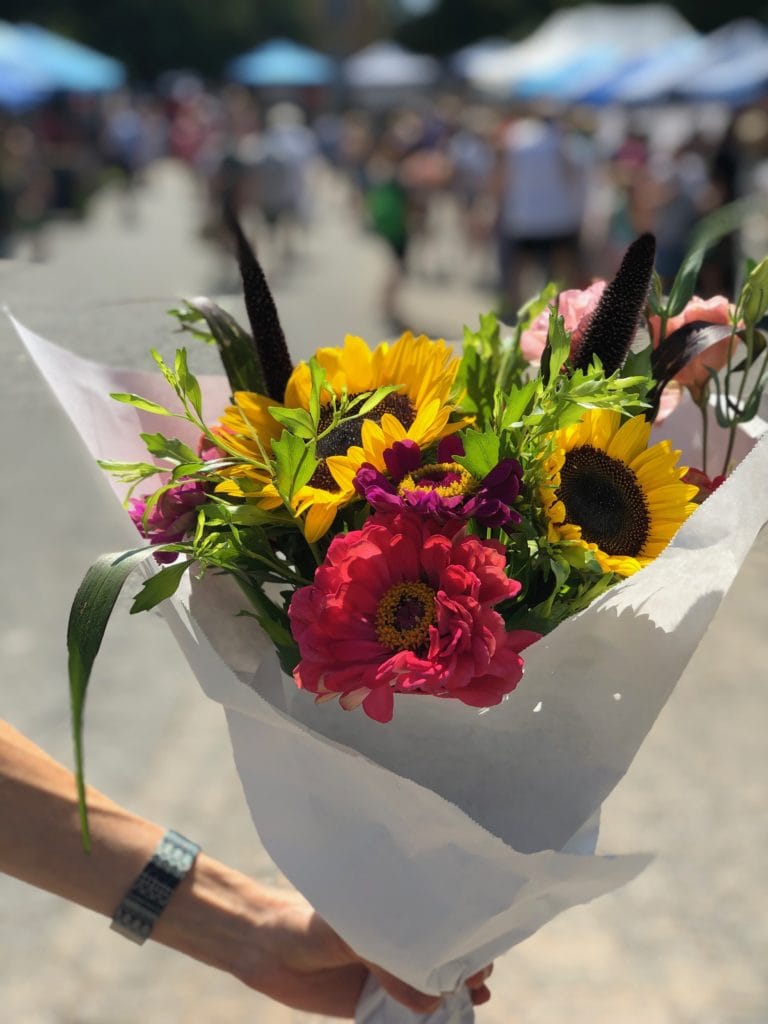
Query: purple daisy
444, 489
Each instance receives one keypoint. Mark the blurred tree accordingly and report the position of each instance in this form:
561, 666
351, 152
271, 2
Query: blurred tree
151, 36
452, 24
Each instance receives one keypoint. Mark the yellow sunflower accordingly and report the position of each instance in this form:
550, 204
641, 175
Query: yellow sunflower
420, 410
607, 491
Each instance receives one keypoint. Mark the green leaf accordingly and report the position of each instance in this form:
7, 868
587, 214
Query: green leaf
248, 514
128, 472
656, 294
531, 309
710, 230
275, 623
185, 469
160, 586
638, 365
516, 403
169, 448
141, 403
237, 349
376, 398
481, 452
318, 382
558, 348
297, 421
88, 618
166, 371
188, 382
479, 369
295, 464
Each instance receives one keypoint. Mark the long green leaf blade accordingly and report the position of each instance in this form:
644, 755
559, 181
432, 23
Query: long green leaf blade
88, 618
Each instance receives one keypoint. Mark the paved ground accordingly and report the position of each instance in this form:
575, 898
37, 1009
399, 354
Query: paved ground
687, 943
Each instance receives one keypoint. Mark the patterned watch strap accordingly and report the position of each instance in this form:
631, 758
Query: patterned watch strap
145, 901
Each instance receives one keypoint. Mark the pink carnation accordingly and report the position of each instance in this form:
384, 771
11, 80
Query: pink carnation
575, 306
717, 310
405, 605
171, 518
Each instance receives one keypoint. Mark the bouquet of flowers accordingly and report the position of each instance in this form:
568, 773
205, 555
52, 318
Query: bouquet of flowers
342, 540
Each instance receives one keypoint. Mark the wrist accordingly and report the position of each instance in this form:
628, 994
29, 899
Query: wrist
218, 916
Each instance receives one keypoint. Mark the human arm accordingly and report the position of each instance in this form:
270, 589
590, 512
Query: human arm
271, 940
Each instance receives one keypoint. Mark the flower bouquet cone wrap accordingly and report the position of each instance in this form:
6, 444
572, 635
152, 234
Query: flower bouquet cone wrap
437, 842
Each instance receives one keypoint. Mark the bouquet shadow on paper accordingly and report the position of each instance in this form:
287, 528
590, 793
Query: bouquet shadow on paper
438, 842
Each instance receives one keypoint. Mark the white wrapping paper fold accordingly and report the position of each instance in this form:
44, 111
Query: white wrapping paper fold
437, 842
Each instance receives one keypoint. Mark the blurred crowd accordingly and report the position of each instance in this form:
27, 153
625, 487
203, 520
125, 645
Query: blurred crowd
525, 193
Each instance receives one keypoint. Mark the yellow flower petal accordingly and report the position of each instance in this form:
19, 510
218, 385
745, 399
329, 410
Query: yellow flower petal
646, 483
318, 521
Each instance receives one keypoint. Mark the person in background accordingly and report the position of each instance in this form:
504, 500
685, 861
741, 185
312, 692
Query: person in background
542, 186
387, 213
271, 940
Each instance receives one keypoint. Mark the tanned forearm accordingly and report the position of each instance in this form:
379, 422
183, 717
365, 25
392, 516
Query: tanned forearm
211, 915
269, 939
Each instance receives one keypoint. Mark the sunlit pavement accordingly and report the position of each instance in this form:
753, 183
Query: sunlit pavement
687, 943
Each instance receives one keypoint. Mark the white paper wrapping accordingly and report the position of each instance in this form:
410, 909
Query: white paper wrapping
438, 841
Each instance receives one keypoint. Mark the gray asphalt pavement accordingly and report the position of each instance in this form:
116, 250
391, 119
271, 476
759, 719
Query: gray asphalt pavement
686, 943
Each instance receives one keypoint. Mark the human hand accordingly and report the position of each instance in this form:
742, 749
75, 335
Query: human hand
300, 961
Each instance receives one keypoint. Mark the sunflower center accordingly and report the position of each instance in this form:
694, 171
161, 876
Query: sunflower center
603, 497
350, 432
404, 615
444, 478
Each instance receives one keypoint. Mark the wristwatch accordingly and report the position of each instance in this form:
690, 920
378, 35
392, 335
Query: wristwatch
148, 897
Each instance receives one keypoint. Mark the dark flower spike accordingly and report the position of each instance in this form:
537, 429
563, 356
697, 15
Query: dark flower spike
614, 322
271, 348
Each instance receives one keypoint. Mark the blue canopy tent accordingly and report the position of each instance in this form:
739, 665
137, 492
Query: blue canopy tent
735, 66
21, 86
651, 77
573, 75
729, 65
282, 62
735, 81
66, 64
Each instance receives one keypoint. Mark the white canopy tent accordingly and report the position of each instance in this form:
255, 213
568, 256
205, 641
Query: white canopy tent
587, 43
385, 65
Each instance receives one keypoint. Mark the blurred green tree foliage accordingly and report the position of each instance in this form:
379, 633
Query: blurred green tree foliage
152, 36
452, 24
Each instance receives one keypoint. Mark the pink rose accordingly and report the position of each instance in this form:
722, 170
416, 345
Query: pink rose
575, 306
717, 310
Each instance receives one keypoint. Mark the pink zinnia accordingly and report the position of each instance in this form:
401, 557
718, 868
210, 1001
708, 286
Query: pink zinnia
405, 605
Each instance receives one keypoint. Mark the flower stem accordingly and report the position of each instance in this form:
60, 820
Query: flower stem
704, 410
750, 341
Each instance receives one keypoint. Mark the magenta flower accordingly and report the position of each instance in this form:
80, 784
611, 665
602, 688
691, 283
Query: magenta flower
406, 605
171, 518
444, 490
